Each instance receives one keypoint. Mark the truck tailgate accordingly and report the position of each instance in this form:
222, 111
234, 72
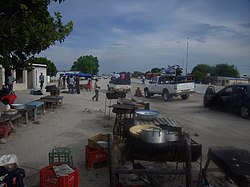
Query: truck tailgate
189, 86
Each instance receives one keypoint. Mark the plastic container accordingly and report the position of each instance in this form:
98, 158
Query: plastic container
5, 129
61, 155
95, 158
48, 178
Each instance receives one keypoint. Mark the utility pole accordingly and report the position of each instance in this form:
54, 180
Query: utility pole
187, 56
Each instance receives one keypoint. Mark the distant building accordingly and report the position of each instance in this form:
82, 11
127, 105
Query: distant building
224, 81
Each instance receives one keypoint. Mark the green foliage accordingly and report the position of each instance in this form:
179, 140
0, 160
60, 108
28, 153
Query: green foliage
199, 75
155, 70
27, 28
86, 64
224, 70
51, 68
179, 70
200, 71
137, 74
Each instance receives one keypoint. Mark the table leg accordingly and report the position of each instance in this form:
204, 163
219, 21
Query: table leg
35, 114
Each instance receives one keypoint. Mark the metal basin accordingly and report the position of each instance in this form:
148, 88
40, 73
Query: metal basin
147, 115
11, 112
18, 106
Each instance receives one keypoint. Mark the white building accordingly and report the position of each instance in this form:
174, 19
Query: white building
24, 79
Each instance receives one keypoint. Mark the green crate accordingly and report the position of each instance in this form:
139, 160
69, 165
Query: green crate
61, 155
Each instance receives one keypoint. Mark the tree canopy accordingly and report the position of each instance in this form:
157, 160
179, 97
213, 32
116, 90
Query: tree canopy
86, 64
27, 28
200, 71
155, 70
51, 68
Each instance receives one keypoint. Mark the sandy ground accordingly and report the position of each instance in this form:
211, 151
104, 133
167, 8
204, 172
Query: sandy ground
71, 126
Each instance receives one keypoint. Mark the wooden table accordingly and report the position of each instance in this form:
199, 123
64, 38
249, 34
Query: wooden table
52, 100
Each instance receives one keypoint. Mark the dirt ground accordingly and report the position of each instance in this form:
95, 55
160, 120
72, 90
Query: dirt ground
80, 118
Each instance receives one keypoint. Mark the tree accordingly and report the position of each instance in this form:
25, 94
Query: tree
226, 70
51, 68
27, 28
86, 64
155, 70
137, 74
201, 70
179, 70
199, 75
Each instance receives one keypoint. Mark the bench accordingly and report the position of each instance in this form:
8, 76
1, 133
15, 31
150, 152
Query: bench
37, 108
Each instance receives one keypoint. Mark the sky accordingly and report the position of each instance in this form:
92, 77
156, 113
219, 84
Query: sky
138, 35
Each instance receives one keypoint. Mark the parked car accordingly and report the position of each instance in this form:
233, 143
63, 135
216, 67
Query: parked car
235, 98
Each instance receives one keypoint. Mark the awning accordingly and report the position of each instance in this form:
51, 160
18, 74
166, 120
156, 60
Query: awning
79, 75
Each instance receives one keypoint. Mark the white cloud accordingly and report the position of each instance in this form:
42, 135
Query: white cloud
138, 35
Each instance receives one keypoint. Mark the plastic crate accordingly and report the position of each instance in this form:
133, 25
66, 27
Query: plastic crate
95, 158
5, 129
48, 178
61, 155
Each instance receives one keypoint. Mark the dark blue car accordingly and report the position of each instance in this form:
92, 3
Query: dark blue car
235, 98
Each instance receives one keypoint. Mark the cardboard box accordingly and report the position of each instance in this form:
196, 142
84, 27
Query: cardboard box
100, 142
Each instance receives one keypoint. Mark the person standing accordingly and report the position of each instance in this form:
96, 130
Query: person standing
77, 80
11, 80
41, 80
71, 84
88, 86
64, 81
96, 88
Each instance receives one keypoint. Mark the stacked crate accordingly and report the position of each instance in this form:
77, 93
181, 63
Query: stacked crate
48, 178
95, 158
61, 155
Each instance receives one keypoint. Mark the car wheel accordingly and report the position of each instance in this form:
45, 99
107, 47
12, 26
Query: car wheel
165, 95
245, 112
184, 97
147, 94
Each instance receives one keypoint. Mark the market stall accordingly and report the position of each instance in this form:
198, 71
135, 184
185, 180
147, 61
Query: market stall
149, 142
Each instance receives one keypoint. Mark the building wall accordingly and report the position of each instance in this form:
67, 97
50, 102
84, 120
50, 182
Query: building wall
33, 76
17, 85
23, 85
223, 81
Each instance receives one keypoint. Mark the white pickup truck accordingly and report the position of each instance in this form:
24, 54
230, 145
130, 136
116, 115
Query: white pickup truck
120, 82
169, 86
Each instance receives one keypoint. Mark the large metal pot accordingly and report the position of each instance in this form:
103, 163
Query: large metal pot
137, 129
156, 135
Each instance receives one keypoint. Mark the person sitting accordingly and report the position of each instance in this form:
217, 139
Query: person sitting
138, 92
10, 173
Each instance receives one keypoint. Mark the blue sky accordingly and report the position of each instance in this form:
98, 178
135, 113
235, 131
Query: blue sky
138, 35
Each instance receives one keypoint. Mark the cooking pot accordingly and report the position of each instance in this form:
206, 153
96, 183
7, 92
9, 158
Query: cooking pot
156, 135
137, 129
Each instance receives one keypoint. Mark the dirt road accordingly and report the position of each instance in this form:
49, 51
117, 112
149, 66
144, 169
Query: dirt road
71, 125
